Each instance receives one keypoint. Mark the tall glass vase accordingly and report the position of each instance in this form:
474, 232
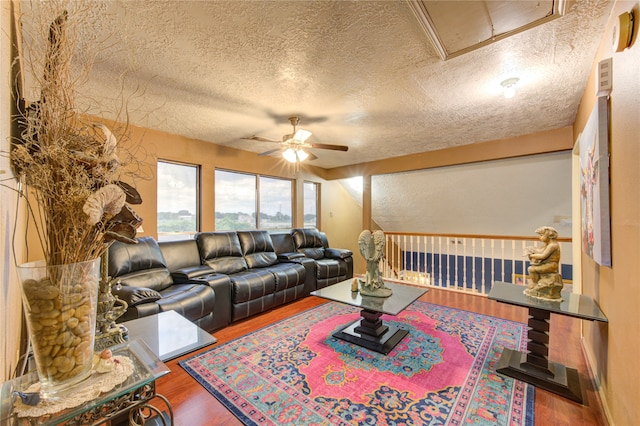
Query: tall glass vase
60, 307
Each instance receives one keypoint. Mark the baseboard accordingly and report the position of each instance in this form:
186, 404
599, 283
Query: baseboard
590, 361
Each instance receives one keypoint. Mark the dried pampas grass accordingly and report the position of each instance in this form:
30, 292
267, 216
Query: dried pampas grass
71, 168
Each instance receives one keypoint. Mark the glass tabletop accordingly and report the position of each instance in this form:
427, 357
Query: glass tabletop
573, 305
169, 334
146, 369
403, 296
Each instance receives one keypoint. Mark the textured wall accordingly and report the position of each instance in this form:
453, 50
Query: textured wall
613, 348
501, 197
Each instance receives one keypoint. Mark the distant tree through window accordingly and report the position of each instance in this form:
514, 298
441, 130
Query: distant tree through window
177, 200
311, 204
246, 201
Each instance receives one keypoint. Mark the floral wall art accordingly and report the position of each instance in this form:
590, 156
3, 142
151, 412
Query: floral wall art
594, 185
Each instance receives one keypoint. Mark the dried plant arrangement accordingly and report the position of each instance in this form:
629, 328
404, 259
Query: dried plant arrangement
72, 169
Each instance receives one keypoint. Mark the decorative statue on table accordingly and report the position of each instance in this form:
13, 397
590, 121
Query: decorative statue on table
372, 249
545, 282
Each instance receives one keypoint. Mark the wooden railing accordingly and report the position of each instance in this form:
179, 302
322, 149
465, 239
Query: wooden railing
469, 263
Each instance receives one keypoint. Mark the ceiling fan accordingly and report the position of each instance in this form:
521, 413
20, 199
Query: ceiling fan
294, 145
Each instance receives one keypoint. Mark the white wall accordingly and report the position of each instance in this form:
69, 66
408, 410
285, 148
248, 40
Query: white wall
502, 197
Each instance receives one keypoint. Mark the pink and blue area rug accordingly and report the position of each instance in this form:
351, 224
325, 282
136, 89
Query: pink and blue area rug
295, 373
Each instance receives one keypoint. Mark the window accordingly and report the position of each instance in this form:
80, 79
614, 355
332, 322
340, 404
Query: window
235, 200
276, 203
311, 192
242, 198
178, 207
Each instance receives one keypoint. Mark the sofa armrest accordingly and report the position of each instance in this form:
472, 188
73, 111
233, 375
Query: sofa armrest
334, 253
288, 257
184, 275
135, 295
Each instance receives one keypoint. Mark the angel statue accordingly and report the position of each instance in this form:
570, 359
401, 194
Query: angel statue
372, 249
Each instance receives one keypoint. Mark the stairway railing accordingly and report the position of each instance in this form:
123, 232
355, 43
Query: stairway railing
469, 263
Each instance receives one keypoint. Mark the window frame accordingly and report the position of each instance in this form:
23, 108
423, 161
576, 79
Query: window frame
317, 197
257, 176
198, 195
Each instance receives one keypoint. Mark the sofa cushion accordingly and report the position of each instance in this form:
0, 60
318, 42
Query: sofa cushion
282, 242
326, 268
139, 265
221, 251
127, 258
192, 301
251, 285
338, 253
180, 255
135, 295
288, 275
309, 242
257, 249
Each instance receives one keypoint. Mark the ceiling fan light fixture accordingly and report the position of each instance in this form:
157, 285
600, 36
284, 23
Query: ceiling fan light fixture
290, 155
302, 155
509, 87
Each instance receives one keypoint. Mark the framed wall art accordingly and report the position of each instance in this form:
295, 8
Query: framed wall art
594, 184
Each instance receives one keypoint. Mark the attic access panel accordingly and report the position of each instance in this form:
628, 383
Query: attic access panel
457, 27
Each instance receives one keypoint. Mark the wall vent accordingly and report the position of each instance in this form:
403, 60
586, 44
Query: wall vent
604, 77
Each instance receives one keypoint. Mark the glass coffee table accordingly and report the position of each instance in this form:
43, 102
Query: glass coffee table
370, 331
168, 334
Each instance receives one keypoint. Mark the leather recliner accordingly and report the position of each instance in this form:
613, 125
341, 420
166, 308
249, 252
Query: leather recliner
258, 252
183, 261
144, 281
252, 290
332, 265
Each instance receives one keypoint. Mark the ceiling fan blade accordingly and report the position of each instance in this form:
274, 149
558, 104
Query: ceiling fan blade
333, 147
271, 151
302, 135
259, 138
311, 156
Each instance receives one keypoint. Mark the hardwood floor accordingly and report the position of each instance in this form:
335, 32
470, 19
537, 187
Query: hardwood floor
194, 406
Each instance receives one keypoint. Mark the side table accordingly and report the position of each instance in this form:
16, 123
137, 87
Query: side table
133, 396
534, 366
168, 334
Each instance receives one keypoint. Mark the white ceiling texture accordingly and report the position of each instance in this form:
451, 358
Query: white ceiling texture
363, 74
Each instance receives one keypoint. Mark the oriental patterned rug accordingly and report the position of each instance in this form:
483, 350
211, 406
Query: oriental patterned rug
295, 373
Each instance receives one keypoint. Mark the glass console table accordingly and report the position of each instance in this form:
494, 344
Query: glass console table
133, 396
533, 366
370, 331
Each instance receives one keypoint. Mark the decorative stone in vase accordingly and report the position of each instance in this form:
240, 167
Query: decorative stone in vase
60, 308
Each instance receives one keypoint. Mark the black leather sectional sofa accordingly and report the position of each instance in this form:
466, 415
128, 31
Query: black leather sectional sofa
221, 277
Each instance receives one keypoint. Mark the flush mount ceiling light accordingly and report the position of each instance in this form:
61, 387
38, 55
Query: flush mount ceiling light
509, 87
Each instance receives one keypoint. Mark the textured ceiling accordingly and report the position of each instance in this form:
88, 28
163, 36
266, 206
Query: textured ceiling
361, 74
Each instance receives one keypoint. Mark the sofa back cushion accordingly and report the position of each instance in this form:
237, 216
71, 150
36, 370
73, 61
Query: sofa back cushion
139, 265
180, 254
221, 251
309, 242
282, 242
257, 249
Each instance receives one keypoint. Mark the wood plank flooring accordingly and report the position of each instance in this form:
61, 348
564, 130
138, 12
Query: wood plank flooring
194, 406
